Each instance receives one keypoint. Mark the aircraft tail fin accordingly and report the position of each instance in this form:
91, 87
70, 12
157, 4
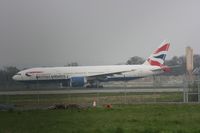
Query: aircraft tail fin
157, 58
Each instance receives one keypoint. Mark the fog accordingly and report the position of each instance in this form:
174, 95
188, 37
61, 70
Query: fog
94, 32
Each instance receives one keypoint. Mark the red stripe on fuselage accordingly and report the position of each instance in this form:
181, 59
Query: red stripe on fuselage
35, 72
163, 48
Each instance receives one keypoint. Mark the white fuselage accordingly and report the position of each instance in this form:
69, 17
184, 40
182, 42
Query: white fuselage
108, 72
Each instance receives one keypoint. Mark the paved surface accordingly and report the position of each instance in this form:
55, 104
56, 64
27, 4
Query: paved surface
89, 90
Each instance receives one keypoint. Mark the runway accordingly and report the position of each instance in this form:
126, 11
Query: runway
91, 90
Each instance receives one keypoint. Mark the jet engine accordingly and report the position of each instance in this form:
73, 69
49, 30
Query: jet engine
77, 81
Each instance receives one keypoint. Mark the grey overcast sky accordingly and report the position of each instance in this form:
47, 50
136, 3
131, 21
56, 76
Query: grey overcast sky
94, 32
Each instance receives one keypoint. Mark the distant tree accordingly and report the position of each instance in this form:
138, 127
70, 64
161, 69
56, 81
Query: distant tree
3, 78
174, 61
181, 61
196, 61
178, 62
135, 60
6, 75
178, 65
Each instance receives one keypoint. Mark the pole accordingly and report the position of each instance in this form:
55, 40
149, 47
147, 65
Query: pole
125, 100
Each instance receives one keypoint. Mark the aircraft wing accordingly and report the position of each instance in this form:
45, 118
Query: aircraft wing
104, 75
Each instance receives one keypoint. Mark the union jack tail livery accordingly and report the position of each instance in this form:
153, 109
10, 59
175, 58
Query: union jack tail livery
158, 57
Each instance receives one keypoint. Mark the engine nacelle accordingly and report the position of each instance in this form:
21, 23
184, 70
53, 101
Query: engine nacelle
77, 81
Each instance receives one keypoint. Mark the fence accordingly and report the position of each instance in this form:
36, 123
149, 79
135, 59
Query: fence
153, 90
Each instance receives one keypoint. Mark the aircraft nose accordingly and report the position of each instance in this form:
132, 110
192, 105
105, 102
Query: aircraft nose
15, 77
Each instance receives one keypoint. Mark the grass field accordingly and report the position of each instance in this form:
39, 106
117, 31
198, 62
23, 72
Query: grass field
35, 101
139, 118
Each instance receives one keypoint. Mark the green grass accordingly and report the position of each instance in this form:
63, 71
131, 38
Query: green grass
28, 101
143, 118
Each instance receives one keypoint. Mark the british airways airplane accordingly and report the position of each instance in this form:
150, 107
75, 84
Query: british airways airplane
84, 76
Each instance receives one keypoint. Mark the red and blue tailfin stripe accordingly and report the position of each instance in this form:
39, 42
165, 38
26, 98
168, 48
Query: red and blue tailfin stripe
158, 57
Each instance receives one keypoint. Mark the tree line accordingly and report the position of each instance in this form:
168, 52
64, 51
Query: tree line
179, 62
6, 75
